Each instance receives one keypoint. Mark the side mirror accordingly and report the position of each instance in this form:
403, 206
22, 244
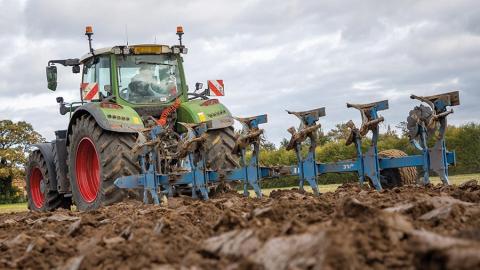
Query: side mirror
76, 69
198, 86
52, 77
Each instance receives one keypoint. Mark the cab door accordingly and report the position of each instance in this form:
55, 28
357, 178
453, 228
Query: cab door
96, 84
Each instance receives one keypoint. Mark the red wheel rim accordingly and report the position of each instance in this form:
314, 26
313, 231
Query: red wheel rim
36, 187
87, 170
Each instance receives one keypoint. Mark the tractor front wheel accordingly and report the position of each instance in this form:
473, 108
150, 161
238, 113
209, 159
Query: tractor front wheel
96, 158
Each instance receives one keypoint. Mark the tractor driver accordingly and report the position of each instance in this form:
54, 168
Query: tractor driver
168, 80
145, 83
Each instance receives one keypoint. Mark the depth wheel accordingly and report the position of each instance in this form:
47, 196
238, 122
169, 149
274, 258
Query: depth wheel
397, 177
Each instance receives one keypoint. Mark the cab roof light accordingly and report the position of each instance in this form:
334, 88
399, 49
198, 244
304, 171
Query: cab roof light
179, 30
89, 34
179, 34
121, 50
88, 30
147, 49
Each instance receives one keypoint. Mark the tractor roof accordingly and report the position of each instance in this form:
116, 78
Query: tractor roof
131, 49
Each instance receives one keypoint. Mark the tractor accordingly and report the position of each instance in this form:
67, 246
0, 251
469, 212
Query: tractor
124, 90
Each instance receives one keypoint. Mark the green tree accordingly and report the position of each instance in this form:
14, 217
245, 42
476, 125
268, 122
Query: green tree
402, 126
322, 138
465, 140
15, 143
267, 145
340, 132
284, 143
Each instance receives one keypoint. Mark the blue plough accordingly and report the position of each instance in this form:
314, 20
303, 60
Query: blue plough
423, 123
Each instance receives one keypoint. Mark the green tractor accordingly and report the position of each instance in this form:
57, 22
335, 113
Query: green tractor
124, 90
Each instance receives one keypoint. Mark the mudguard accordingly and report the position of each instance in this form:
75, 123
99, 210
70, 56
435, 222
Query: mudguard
110, 117
211, 111
46, 149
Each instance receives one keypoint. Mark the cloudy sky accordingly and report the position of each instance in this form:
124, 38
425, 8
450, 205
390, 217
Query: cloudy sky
272, 55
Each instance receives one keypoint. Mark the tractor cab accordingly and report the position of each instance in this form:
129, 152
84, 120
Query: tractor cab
136, 75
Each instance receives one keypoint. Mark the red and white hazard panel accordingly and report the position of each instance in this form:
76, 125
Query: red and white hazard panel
216, 87
89, 91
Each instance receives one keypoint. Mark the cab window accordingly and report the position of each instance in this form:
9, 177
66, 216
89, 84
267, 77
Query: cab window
147, 79
103, 75
96, 79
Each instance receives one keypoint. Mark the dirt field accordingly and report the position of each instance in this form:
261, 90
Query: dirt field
411, 227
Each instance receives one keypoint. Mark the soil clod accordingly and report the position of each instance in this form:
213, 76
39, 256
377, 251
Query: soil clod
352, 228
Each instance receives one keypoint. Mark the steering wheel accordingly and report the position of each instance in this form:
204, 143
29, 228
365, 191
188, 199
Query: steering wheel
124, 92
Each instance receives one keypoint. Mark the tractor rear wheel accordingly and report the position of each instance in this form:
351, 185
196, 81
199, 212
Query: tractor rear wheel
219, 157
219, 146
397, 177
97, 157
41, 197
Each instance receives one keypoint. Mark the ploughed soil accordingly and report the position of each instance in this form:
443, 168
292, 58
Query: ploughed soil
433, 227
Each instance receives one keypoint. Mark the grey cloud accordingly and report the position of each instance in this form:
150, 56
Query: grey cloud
273, 55
11, 21
25, 72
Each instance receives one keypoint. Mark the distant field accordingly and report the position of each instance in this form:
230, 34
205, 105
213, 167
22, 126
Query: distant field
456, 180
14, 207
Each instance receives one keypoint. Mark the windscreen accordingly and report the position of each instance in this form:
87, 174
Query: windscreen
146, 79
